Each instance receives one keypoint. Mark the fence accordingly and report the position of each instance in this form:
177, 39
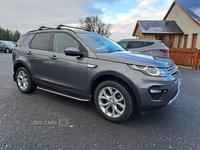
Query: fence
188, 57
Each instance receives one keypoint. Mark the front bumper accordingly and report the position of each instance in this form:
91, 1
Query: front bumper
169, 88
172, 100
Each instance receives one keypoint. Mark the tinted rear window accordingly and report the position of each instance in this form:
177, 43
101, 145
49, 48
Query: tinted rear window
136, 44
149, 43
21, 40
41, 41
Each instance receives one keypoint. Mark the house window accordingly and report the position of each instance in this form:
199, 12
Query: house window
194, 40
166, 40
169, 40
172, 41
185, 41
161, 38
157, 37
179, 41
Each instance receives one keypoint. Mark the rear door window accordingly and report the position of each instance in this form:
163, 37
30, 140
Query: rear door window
41, 41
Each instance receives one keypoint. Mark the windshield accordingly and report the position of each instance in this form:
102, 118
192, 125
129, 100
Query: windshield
100, 44
9, 43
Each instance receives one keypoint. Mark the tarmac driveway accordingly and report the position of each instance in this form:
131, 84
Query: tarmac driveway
43, 120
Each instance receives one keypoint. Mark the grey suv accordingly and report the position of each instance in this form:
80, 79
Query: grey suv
146, 46
89, 67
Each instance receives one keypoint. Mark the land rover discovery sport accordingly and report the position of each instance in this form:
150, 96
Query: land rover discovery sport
90, 67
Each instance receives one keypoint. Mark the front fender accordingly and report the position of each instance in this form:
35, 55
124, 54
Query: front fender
120, 76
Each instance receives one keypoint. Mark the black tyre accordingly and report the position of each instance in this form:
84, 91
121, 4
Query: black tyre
113, 101
7, 50
24, 81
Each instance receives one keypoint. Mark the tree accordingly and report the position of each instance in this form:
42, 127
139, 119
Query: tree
9, 35
95, 24
16, 35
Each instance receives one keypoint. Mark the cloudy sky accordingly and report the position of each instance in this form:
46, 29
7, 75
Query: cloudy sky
25, 15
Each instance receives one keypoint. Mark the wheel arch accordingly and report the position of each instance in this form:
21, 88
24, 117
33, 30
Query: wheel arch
115, 76
17, 65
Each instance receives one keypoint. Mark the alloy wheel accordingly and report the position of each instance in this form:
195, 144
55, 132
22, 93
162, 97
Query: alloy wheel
111, 101
22, 80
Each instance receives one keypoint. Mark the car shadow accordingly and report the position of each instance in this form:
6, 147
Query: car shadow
87, 112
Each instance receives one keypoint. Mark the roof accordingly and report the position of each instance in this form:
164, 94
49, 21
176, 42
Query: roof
158, 27
190, 7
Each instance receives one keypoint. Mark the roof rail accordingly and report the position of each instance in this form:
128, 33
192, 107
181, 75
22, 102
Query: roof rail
42, 27
60, 26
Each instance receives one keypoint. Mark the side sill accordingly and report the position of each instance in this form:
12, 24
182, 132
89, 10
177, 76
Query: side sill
61, 94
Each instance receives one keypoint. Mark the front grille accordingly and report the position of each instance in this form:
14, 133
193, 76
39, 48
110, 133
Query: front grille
174, 71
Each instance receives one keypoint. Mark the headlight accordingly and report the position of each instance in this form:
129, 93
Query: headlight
151, 71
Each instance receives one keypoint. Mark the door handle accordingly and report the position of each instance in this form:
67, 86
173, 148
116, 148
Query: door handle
29, 53
91, 66
53, 57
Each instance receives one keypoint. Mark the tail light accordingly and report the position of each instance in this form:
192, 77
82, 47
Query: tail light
164, 51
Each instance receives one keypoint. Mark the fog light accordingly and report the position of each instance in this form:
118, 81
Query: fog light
155, 91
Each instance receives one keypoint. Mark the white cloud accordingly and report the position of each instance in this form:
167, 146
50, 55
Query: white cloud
128, 2
106, 18
25, 15
168, 2
146, 3
124, 26
103, 10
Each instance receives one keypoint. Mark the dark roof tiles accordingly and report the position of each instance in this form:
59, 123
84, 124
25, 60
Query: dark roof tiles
159, 27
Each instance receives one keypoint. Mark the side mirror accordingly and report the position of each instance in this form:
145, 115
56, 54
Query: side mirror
72, 51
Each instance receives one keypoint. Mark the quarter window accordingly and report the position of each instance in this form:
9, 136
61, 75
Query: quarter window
123, 44
21, 40
41, 41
